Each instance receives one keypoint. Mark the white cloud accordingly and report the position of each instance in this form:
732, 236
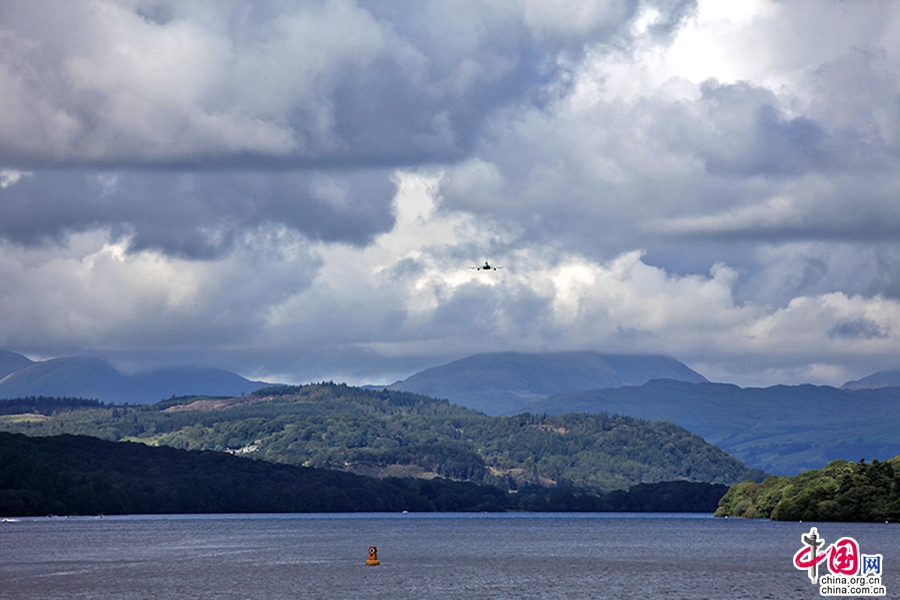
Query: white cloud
134, 89
125, 82
9, 177
420, 268
572, 17
187, 84
412, 292
718, 184
775, 213
95, 294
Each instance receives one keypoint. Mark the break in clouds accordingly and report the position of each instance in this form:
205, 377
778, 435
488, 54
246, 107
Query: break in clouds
295, 191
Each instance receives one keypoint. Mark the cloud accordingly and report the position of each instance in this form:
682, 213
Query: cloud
286, 307
857, 328
298, 190
648, 149
196, 214
124, 87
9, 177
128, 82
95, 295
432, 305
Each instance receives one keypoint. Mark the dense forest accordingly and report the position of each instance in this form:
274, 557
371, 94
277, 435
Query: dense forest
38, 406
389, 433
84, 475
67, 474
842, 491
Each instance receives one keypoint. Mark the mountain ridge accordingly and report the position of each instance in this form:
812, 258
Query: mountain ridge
501, 383
881, 379
91, 377
10, 362
781, 429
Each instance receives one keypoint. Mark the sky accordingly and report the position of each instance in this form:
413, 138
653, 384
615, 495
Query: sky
296, 191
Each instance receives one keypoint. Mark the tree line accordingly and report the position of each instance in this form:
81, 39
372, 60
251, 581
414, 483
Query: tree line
67, 475
842, 491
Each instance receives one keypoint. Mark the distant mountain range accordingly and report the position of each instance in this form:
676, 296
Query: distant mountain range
781, 429
503, 383
88, 377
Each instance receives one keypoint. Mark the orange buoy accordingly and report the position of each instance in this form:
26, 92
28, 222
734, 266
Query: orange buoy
373, 556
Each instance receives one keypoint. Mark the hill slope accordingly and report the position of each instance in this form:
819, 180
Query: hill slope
10, 362
782, 429
74, 376
88, 377
503, 383
389, 433
880, 379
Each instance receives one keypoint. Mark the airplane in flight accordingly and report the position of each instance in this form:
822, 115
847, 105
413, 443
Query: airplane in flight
486, 267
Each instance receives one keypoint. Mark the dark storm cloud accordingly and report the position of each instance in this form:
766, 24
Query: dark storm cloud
857, 328
196, 214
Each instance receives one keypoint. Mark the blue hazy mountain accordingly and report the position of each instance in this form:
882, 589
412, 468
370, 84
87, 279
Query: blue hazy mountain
10, 362
781, 429
881, 379
88, 377
502, 383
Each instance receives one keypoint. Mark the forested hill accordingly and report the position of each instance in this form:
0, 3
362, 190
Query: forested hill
387, 433
842, 491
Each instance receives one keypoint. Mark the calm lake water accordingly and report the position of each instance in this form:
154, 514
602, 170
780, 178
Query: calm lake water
423, 556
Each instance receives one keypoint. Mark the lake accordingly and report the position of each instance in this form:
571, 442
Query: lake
423, 556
